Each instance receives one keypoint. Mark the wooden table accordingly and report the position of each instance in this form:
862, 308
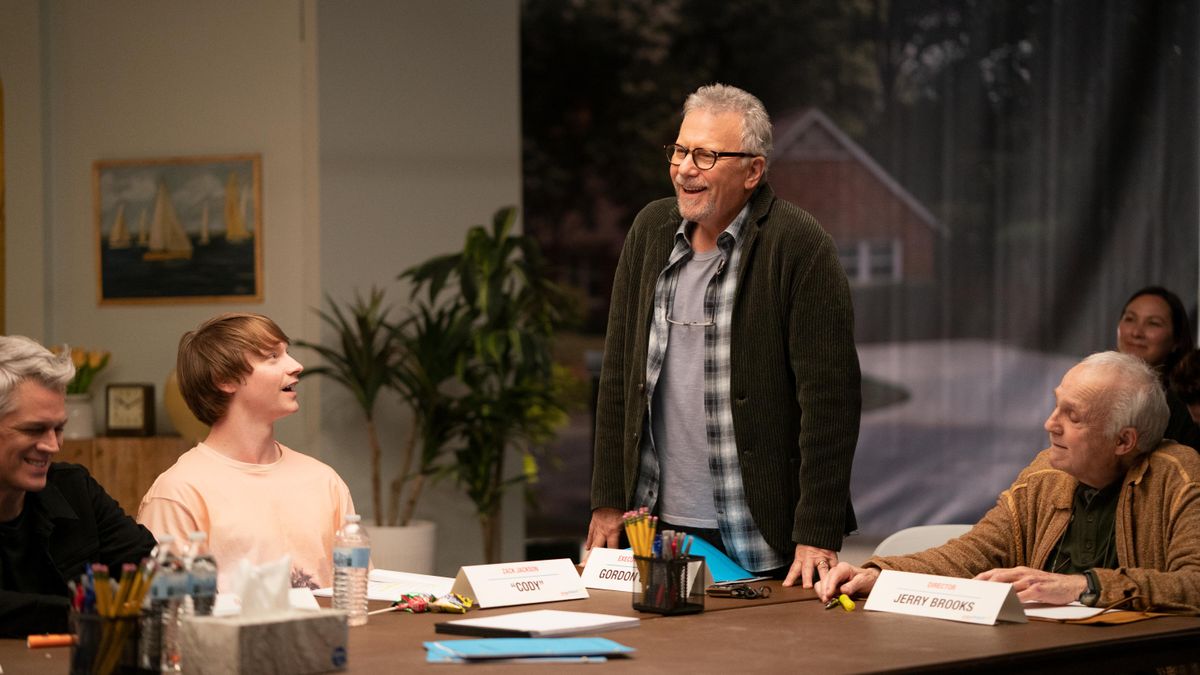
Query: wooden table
785, 633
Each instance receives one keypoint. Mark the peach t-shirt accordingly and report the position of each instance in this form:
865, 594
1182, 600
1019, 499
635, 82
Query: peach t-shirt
260, 512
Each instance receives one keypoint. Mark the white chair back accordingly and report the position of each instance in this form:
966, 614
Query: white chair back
919, 538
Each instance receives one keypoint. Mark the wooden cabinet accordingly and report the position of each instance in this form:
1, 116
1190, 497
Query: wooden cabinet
125, 466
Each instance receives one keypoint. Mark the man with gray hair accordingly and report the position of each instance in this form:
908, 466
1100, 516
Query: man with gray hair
729, 397
54, 518
1109, 513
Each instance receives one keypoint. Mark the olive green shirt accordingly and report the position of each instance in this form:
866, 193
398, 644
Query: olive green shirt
1089, 540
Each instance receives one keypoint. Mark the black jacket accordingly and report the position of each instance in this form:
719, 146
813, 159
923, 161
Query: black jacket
77, 523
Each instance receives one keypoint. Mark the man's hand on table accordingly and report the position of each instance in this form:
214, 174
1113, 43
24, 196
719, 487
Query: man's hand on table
810, 560
848, 579
1034, 585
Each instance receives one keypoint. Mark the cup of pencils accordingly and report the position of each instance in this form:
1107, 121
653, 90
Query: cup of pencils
104, 617
670, 581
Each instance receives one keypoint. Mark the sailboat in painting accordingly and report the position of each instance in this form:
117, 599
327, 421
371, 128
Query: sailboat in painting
235, 221
143, 238
119, 236
168, 241
204, 237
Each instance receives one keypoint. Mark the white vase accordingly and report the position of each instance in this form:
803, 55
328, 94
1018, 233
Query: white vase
404, 549
81, 423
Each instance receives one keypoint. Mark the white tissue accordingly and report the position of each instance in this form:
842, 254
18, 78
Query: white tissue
264, 588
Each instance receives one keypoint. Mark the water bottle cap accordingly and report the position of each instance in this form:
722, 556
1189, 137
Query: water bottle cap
353, 518
198, 536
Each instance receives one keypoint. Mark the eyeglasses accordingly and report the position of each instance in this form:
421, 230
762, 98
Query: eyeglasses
703, 159
710, 319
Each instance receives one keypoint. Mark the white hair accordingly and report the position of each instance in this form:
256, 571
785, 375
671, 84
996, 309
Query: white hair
1134, 396
756, 124
23, 359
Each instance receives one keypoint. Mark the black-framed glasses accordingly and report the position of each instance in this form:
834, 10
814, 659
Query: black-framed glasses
703, 158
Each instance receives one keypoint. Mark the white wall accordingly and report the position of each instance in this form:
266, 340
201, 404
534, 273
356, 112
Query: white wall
130, 79
21, 72
420, 139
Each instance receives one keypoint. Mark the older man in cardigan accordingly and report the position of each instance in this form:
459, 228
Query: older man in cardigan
729, 396
1108, 514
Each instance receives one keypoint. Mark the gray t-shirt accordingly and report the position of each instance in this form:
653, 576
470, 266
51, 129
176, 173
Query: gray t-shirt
679, 428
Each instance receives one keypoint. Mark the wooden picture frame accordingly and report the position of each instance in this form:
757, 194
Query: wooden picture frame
178, 230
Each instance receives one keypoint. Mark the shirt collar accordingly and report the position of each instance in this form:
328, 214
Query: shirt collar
47, 506
726, 241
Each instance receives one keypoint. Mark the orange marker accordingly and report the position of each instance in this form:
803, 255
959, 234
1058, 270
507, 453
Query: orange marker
44, 641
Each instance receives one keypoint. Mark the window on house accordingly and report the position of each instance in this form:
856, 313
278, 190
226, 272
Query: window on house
871, 261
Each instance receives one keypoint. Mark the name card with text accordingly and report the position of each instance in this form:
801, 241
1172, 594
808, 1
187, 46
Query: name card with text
522, 583
965, 600
610, 569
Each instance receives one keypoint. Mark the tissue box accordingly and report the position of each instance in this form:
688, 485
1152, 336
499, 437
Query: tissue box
298, 642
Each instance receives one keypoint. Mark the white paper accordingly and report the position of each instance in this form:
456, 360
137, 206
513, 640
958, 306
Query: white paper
389, 585
1062, 612
550, 622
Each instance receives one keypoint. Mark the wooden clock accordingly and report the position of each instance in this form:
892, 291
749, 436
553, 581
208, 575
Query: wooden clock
129, 410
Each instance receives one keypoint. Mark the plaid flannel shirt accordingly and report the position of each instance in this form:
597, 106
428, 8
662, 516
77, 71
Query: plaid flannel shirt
738, 532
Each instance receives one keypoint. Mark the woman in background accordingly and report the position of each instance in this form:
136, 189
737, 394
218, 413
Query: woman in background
1154, 326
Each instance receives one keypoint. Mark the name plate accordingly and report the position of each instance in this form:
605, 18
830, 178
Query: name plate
521, 583
610, 569
965, 600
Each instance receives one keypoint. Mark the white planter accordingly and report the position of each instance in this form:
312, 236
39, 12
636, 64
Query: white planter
81, 422
404, 549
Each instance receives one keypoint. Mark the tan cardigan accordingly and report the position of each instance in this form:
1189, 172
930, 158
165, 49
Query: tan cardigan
1158, 531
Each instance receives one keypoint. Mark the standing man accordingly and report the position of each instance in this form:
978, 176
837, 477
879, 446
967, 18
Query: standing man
54, 518
730, 392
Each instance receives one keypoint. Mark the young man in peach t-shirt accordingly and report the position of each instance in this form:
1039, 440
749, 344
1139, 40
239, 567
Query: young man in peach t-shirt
256, 498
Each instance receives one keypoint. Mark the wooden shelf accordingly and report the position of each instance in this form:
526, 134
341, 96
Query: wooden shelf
126, 466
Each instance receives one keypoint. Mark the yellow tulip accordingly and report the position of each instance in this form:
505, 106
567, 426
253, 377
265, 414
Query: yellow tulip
97, 359
78, 357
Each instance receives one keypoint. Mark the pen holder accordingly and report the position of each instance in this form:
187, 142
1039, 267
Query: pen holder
104, 645
669, 585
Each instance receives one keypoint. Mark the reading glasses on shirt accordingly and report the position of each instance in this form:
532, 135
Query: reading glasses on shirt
710, 318
703, 158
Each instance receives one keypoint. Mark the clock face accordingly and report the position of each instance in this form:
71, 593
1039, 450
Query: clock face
126, 407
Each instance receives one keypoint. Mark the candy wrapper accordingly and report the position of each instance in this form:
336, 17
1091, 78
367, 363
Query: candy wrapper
419, 603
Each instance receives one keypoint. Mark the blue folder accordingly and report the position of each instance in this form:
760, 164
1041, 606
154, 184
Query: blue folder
722, 567
527, 650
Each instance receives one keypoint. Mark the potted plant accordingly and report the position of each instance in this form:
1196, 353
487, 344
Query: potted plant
367, 360
80, 419
510, 397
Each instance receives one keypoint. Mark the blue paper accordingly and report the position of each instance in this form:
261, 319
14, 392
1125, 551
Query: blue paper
722, 567
568, 649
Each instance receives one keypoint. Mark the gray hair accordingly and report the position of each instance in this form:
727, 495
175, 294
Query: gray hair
23, 359
720, 98
1135, 397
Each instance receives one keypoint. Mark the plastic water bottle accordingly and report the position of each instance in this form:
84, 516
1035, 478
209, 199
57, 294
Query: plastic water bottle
351, 552
202, 576
153, 609
175, 586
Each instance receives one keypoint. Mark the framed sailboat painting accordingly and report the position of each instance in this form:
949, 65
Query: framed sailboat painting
179, 230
